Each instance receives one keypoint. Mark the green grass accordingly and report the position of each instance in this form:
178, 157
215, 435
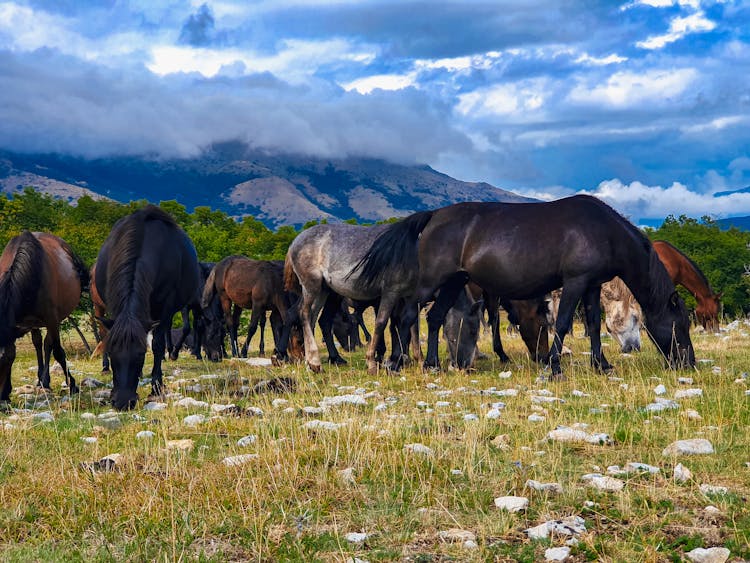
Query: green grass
292, 503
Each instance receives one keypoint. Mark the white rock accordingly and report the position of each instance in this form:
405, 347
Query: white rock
686, 380
710, 555
144, 435
356, 537
681, 473
506, 393
536, 418
692, 414
470, 417
661, 405
257, 361
88, 416
278, 403
189, 402
577, 393
44, 417
660, 389
493, 414
343, 400
235, 460
193, 420
89, 439
688, 393
504, 374
570, 526
154, 406
470, 544
713, 489
246, 440
420, 449
512, 503
254, 411
544, 487
565, 434
322, 425
217, 408
694, 446
556, 553
457, 535
635, 466
605, 483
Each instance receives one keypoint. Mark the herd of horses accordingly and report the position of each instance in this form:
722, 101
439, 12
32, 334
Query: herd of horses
462, 260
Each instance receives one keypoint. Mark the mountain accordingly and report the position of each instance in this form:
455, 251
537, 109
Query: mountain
730, 192
742, 223
276, 189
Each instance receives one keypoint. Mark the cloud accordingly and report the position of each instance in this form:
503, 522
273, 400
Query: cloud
679, 27
198, 30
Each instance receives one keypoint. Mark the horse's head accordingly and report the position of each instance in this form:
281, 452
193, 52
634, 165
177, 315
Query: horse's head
670, 331
707, 312
533, 317
461, 330
346, 330
213, 335
126, 346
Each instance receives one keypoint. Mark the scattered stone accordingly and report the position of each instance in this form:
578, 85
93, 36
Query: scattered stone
556, 553
505, 374
224, 409
457, 535
235, 460
457, 472
570, 526
577, 393
713, 489
493, 414
194, 420
88, 416
347, 476
312, 411
246, 440
89, 439
681, 473
660, 389
636, 466
710, 555
190, 403
182, 445
322, 425
501, 441
90, 383
278, 403
566, 434
604, 483
555, 488
694, 446
691, 414
420, 449
105, 464
343, 400
145, 435
275, 385
470, 417
660, 404
44, 417
154, 406
253, 411
258, 362
685, 380
512, 503
688, 393
356, 537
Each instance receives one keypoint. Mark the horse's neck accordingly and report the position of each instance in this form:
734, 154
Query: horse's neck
693, 282
640, 281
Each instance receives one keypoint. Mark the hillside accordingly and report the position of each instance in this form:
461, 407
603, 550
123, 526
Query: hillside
277, 190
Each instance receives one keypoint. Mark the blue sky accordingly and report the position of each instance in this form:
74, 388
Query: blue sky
645, 103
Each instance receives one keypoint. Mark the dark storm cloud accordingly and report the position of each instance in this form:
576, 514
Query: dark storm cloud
198, 30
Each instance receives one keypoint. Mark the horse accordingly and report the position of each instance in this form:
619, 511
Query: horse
319, 264
523, 250
623, 316
146, 271
461, 329
248, 284
41, 280
209, 328
684, 272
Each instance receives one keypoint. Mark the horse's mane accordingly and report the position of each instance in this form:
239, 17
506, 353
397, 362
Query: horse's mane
19, 283
661, 285
127, 237
698, 271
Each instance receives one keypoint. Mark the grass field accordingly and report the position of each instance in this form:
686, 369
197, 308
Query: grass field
362, 469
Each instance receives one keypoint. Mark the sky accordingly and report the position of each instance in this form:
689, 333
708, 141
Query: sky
644, 103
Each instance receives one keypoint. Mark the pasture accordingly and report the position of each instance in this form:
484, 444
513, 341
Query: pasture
386, 467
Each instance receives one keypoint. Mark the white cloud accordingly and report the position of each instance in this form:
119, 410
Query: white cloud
381, 82
716, 124
626, 89
600, 61
679, 27
642, 201
504, 99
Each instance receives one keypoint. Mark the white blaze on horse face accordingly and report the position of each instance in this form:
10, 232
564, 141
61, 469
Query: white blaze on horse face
623, 315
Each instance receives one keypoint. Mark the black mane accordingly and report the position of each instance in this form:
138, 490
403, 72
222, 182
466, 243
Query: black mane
19, 283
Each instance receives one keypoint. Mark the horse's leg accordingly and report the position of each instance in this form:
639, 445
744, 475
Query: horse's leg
53, 333
332, 305
436, 317
158, 346
174, 351
42, 379
593, 308
292, 316
198, 330
311, 305
361, 323
262, 343
416, 348
493, 318
387, 303
6, 363
258, 317
571, 294
232, 316
407, 333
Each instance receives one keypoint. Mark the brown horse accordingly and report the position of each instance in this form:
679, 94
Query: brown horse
248, 284
40, 284
684, 272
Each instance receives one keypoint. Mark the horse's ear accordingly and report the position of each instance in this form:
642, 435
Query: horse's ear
106, 323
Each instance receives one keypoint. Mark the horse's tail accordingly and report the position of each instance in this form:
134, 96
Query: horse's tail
18, 288
81, 269
394, 249
209, 289
291, 281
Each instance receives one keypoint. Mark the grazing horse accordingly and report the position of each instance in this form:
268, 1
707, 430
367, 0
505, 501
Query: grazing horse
522, 250
684, 272
248, 284
146, 271
40, 284
319, 263
623, 316
461, 329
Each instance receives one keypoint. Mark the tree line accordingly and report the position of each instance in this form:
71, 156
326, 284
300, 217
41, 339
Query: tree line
722, 255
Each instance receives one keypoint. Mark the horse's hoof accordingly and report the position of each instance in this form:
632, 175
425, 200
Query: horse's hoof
74, 389
337, 361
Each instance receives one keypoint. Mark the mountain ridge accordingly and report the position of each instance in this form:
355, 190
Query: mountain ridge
276, 189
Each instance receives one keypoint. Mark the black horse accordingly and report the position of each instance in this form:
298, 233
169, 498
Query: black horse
146, 271
524, 250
